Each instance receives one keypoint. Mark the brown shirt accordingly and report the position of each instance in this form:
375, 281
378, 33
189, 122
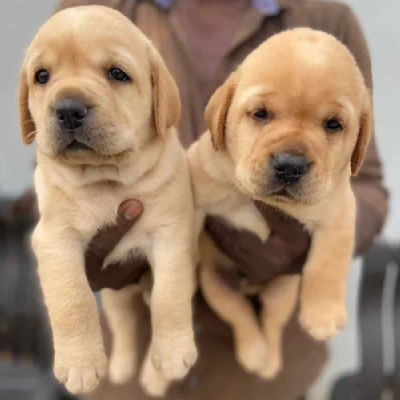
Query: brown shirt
217, 375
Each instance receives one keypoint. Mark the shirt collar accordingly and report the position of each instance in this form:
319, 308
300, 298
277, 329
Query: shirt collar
268, 8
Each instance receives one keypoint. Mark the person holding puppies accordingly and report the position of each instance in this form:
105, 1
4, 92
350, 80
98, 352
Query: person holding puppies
202, 42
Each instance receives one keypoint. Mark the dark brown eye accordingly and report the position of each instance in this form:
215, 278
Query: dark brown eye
261, 115
333, 125
117, 74
42, 76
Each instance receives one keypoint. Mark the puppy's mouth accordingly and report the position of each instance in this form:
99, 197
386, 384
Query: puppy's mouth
76, 145
283, 193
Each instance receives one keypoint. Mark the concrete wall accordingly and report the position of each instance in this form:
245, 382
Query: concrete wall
19, 20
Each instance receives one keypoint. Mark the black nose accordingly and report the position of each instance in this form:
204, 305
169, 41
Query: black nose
70, 113
290, 168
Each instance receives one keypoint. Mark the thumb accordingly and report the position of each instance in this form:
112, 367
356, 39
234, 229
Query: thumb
130, 210
105, 241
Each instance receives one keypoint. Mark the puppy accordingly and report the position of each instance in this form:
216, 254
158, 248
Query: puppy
288, 128
102, 107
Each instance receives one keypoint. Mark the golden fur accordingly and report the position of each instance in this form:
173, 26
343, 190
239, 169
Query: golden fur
134, 152
302, 78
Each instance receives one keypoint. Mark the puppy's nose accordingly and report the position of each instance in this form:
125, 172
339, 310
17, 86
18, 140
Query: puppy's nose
289, 168
70, 113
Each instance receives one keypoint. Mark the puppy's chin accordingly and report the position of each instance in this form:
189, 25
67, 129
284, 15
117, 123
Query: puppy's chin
263, 187
85, 148
87, 156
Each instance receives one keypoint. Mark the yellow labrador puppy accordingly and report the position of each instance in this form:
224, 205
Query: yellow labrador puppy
102, 107
288, 128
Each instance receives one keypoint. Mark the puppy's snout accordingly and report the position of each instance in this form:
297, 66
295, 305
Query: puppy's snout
70, 113
290, 168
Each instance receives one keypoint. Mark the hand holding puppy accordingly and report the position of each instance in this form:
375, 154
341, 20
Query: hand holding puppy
127, 273
284, 252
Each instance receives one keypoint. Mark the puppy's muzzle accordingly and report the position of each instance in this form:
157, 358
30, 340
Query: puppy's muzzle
289, 168
71, 114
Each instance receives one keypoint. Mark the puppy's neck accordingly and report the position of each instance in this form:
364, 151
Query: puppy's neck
71, 177
215, 163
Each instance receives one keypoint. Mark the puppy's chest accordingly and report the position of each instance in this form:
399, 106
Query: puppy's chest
98, 209
240, 211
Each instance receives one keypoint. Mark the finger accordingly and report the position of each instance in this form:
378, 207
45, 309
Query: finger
116, 276
223, 235
105, 241
130, 210
280, 222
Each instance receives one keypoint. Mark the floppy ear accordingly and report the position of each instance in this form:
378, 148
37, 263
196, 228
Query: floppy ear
166, 100
217, 110
27, 125
364, 135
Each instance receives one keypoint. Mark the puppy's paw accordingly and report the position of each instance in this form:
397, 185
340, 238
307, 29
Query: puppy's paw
80, 370
154, 384
323, 321
252, 353
174, 354
122, 367
271, 369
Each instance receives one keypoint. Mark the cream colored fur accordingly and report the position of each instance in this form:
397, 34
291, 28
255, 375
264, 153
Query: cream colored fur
136, 155
299, 77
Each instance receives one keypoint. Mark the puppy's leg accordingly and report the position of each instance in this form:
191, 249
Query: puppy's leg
173, 346
322, 299
279, 299
79, 359
233, 308
121, 320
152, 381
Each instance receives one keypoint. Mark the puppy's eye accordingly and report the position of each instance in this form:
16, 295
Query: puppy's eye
333, 125
117, 74
42, 76
261, 115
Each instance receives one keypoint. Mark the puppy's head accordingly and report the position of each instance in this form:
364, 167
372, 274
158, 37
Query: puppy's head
295, 118
93, 90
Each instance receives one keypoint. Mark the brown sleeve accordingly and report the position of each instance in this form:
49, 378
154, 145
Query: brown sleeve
371, 195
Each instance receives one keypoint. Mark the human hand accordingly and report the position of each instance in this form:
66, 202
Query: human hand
284, 252
120, 275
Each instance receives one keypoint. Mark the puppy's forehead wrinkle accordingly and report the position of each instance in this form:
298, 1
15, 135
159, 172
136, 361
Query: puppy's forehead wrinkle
77, 33
301, 60
251, 92
74, 50
292, 87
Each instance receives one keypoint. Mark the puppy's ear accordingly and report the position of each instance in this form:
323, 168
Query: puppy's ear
27, 125
166, 100
364, 135
217, 110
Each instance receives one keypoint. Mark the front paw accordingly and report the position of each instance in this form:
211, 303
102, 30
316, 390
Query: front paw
323, 321
173, 355
80, 368
153, 382
252, 353
122, 367
271, 369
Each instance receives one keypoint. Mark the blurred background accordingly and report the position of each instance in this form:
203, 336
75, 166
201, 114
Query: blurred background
19, 20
